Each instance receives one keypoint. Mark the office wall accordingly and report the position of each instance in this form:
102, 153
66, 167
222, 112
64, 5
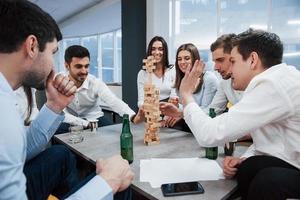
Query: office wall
101, 18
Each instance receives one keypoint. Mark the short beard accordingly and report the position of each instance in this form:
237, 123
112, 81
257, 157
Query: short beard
34, 81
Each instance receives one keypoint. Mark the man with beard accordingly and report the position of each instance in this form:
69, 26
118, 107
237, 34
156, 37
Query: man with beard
28, 39
269, 110
86, 104
220, 50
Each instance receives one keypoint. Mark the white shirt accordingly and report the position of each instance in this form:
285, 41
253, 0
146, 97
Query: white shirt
224, 94
269, 110
22, 104
86, 103
165, 84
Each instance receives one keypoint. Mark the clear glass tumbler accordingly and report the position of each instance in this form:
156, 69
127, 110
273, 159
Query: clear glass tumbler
76, 134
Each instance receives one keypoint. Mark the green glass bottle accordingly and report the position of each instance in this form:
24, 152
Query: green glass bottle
211, 152
126, 140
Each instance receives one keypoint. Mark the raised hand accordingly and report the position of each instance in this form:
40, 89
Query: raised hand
190, 79
60, 92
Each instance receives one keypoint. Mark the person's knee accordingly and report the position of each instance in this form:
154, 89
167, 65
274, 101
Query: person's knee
266, 184
245, 168
63, 154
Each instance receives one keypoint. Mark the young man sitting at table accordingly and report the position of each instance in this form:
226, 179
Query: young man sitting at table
86, 103
269, 110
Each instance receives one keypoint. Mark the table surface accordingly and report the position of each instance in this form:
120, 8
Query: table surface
173, 144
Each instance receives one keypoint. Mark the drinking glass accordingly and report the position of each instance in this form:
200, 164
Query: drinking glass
76, 134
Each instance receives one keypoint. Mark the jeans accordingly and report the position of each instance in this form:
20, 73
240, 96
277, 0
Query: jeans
53, 171
267, 177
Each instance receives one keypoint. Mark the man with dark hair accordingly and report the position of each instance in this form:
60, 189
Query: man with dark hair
270, 169
85, 106
28, 39
225, 94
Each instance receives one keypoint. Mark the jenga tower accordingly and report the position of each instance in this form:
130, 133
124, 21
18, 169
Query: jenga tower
151, 105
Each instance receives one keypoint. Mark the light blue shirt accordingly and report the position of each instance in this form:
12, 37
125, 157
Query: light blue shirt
208, 90
17, 145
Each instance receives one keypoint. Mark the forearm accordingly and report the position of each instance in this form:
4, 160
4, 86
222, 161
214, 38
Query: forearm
73, 120
41, 130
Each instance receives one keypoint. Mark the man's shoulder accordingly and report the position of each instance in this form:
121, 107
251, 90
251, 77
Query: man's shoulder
93, 79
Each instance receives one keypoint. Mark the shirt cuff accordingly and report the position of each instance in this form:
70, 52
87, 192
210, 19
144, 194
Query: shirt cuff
53, 119
96, 188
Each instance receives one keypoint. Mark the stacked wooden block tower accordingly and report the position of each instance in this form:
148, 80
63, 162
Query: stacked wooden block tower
151, 105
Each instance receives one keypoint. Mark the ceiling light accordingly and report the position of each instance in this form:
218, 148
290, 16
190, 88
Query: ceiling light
293, 22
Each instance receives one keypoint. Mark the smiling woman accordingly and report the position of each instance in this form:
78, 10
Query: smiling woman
164, 73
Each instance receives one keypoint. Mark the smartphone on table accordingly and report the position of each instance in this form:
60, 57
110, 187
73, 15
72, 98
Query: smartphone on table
175, 189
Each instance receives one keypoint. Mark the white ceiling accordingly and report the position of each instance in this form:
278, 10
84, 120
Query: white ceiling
62, 10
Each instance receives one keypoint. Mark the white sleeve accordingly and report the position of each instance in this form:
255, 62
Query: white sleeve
260, 106
140, 87
219, 101
250, 152
108, 97
73, 120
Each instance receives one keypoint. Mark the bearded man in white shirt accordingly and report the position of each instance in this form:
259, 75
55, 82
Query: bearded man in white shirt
91, 91
220, 50
269, 110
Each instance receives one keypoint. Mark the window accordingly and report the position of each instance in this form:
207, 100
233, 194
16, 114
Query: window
201, 21
105, 54
91, 43
107, 49
286, 23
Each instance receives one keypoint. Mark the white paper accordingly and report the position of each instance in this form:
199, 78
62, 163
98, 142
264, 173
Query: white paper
159, 171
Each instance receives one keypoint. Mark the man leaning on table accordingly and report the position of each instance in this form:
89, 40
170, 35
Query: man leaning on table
91, 91
269, 110
28, 60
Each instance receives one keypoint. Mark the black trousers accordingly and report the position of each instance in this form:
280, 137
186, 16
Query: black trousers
267, 177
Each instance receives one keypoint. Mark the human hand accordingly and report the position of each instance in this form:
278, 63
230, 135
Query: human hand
189, 80
174, 100
59, 91
230, 165
140, 116
116, 172
171, 121
170, 110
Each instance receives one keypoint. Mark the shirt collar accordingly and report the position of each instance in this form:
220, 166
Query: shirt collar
4, 85
85, 84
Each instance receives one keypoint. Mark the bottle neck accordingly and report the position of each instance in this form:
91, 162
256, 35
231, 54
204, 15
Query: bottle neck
126, 127
212, 113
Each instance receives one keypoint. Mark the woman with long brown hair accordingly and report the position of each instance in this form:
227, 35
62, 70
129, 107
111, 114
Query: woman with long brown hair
164, 73
206, 87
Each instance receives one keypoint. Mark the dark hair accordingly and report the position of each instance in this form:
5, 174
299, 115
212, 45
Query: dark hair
195, 56
21, 18
76, 51
267, 45
224, 41
28, 93
165, 58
